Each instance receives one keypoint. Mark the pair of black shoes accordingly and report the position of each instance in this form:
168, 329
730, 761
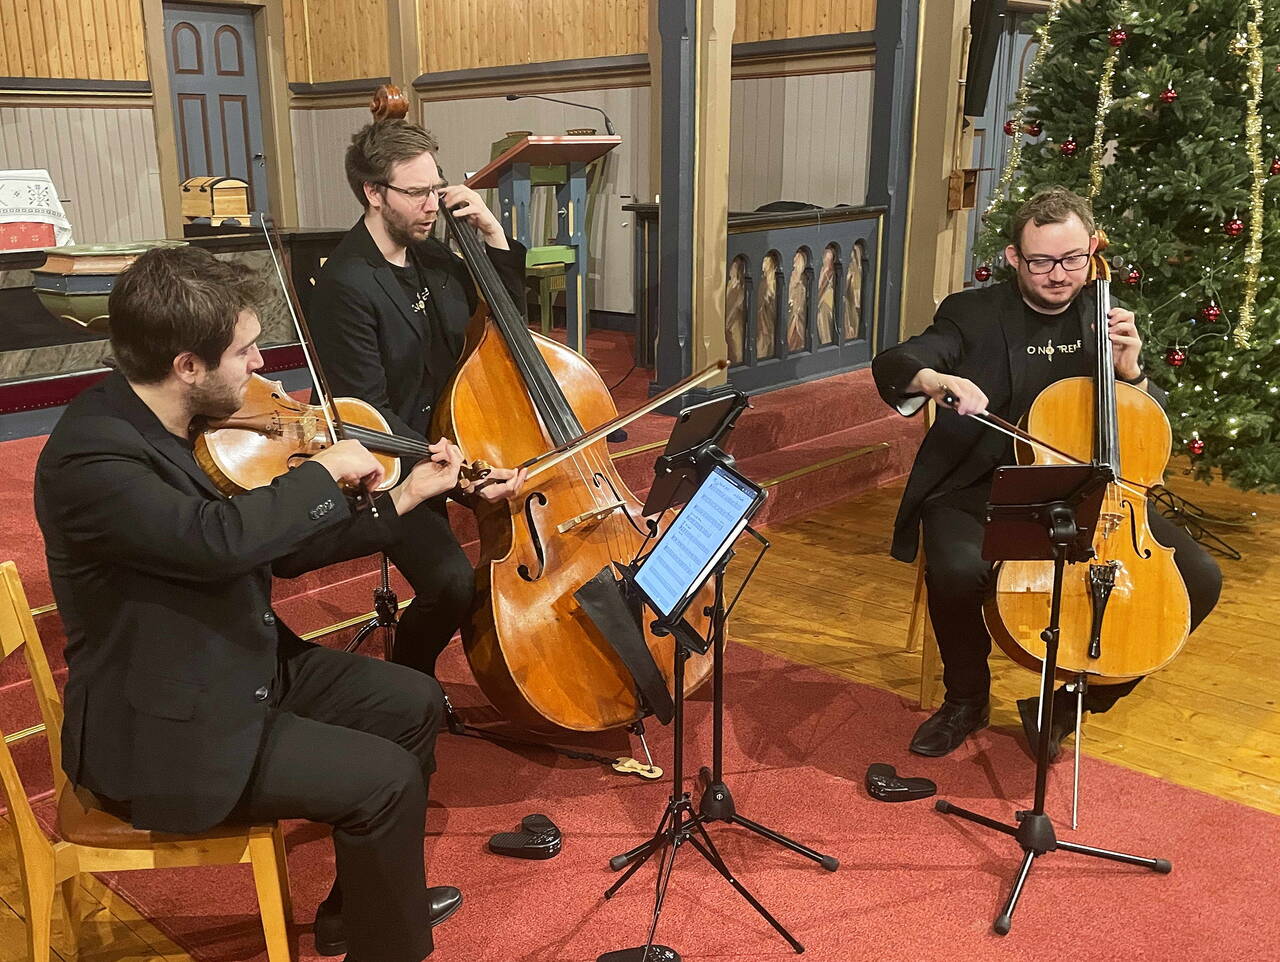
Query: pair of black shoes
947, 728
442, 902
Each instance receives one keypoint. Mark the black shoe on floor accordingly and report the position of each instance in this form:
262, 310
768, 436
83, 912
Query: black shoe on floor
1063, 724
442, 902
948, 727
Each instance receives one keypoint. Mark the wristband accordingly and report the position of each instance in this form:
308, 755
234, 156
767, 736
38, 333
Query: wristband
1142, 376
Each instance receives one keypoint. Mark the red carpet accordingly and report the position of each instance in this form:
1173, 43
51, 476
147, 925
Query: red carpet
912, 884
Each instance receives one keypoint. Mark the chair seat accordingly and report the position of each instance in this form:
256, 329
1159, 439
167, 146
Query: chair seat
80, 821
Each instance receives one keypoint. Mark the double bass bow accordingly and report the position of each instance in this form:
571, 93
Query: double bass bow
520, 398
1125, 612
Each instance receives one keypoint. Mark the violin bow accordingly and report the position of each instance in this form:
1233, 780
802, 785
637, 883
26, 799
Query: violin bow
1012, 430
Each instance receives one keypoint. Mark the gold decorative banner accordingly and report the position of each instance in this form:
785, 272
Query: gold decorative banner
1253, 146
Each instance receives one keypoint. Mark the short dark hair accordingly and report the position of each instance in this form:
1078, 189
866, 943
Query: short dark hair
378, 147
176, 299
1054, 205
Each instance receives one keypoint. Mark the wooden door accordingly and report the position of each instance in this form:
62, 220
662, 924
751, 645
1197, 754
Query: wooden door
213, 73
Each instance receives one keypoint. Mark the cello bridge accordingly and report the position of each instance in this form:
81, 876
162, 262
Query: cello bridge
593, 515
1108, 523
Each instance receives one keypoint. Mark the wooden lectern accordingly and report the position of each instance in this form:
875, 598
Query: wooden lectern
509, 172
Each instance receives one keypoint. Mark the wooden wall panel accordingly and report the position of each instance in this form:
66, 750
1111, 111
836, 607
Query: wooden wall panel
83, 39
329, 40
786, 19
102, 161
464, 34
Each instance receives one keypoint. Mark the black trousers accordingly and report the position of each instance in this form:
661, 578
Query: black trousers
958, 579
431, 560
350, 741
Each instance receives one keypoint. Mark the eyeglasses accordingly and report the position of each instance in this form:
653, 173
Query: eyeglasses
1045, 265
417, 194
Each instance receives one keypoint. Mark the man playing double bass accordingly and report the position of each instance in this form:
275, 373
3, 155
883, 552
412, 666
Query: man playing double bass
994, 349
188, 703
390, 313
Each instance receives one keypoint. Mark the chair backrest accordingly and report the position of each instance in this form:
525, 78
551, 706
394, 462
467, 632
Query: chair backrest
18, 633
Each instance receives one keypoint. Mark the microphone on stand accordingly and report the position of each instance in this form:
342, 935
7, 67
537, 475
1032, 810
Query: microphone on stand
608, 125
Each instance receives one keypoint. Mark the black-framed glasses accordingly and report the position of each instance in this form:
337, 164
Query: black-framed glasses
1045, 265
418, 194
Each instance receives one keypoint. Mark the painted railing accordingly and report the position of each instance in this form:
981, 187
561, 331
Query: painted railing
800, 292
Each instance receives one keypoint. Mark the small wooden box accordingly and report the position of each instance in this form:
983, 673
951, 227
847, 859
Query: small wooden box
962, 188
215, 197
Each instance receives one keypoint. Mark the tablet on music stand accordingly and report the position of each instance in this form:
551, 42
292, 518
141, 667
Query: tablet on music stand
670, 575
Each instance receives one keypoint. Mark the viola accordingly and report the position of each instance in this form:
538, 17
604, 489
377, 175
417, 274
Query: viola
273, 433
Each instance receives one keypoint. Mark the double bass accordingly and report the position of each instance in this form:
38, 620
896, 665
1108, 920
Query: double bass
1125, 612
535, 653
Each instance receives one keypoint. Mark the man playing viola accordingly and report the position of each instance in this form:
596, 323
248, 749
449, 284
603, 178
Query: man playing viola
390, 313
994, 350
188, 703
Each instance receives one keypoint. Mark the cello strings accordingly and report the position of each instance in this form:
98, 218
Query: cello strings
550, 404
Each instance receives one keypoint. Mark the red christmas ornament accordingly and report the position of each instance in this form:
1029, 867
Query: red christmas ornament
1034, 129
1175, 357
1211, 312
1069, 147
1234, 227
1117, 37
1134, 275
1275, 167
982, 273
1008, 127
1168, 95
1195, 446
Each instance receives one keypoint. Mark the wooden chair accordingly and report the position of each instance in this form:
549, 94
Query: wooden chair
94, 841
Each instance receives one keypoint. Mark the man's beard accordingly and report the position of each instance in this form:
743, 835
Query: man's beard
1033, 295
215, 398
398, 228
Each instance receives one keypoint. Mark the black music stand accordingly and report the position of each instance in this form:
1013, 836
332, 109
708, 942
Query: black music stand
679, 823
1037, 513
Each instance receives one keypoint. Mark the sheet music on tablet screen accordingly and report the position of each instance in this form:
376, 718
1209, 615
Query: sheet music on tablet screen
716, 513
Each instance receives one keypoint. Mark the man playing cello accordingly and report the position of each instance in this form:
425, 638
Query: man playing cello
994, 349
391, 310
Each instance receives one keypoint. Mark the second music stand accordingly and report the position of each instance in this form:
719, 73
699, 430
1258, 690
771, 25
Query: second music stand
1037, 513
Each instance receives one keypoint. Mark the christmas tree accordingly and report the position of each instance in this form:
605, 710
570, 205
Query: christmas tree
1168, 117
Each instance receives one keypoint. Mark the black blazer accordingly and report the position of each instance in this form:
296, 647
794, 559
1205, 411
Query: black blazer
164, 587
977, 334
372, 345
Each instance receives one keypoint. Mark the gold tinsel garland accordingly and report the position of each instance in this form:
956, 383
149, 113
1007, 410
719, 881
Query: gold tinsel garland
1098, 148
1253, 144
1016, 118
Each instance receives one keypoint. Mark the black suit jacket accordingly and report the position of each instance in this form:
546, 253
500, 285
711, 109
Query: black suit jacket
979, 334
371, 343
164, 587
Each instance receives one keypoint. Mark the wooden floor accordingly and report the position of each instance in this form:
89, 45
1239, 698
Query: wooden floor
828, 595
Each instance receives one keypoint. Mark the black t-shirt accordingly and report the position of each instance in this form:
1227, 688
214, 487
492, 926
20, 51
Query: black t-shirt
439, 358
1054, 350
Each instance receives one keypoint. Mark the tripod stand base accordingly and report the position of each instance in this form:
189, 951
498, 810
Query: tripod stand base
652, 953
1034, 833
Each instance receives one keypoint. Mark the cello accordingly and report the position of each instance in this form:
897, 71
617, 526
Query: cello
1125, 612
535, 653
